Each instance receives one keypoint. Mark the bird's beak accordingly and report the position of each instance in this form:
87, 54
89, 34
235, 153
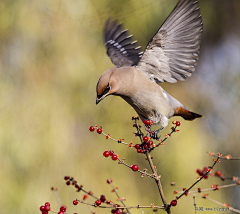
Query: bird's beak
98, 101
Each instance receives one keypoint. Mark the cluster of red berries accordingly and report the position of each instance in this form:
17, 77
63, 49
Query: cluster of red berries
145, 146
110, 153
101, 200
70, 180
45, 208
99, 130
148, 123
202, 172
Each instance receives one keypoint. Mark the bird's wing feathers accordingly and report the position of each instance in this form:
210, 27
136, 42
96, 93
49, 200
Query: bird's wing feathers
172, 54
121, 48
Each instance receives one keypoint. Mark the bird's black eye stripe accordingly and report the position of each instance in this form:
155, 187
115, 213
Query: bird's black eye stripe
106, 90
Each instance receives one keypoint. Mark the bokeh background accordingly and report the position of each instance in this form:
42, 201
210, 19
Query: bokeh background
51, 56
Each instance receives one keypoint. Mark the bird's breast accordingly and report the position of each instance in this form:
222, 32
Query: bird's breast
150, 101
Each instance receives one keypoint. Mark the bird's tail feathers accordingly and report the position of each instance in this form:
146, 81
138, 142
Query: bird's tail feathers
191, 116
186, 114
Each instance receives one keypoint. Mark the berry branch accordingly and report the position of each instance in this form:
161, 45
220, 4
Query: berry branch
204, 174
115, 191
135, 169
145, 146
159, 185
199, 179
226, 157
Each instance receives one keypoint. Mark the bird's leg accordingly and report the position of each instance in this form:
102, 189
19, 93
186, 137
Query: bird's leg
155, 133
148, 130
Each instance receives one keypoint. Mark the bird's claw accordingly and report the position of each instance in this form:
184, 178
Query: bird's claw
154, 134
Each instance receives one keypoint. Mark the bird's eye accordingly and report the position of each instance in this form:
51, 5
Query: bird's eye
107, 89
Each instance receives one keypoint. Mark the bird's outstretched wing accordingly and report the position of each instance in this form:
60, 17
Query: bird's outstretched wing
172, 54
121, 48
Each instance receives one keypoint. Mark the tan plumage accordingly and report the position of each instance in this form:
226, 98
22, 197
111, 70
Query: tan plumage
171, 55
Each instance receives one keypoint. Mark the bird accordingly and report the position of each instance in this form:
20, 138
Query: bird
171, 55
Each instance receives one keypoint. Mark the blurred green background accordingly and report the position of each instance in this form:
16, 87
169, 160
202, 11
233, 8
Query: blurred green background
51, 57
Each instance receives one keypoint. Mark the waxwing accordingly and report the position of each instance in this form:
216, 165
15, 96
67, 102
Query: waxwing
171, 55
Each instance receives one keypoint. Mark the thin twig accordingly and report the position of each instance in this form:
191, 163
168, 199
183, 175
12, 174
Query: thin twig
132, 207
166, 137
58, 197
226, 157
187, 190
119, 197
142, 172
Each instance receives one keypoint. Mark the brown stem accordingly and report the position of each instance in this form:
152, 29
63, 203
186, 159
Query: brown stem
112, 207
159, 185
119, 198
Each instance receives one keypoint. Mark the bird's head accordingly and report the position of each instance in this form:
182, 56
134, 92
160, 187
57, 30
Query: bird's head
105, 85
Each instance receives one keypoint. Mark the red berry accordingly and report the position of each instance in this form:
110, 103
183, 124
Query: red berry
98, 202
199, 171
111, 153
174, 203
145, 139
114, 157
44, 212
109, 180
42, 208
145, 146
47, 208
118, 212
47, 204
206, 176
66, 178
63, 208
199, 190
75, 202
91, 129
134, 168
60, 212
139, 151
113, 211
137, 146
99, 130
218, 173
178, 123
106, 154
147, 122
205, 169
68, 182
102, 198
150, 143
